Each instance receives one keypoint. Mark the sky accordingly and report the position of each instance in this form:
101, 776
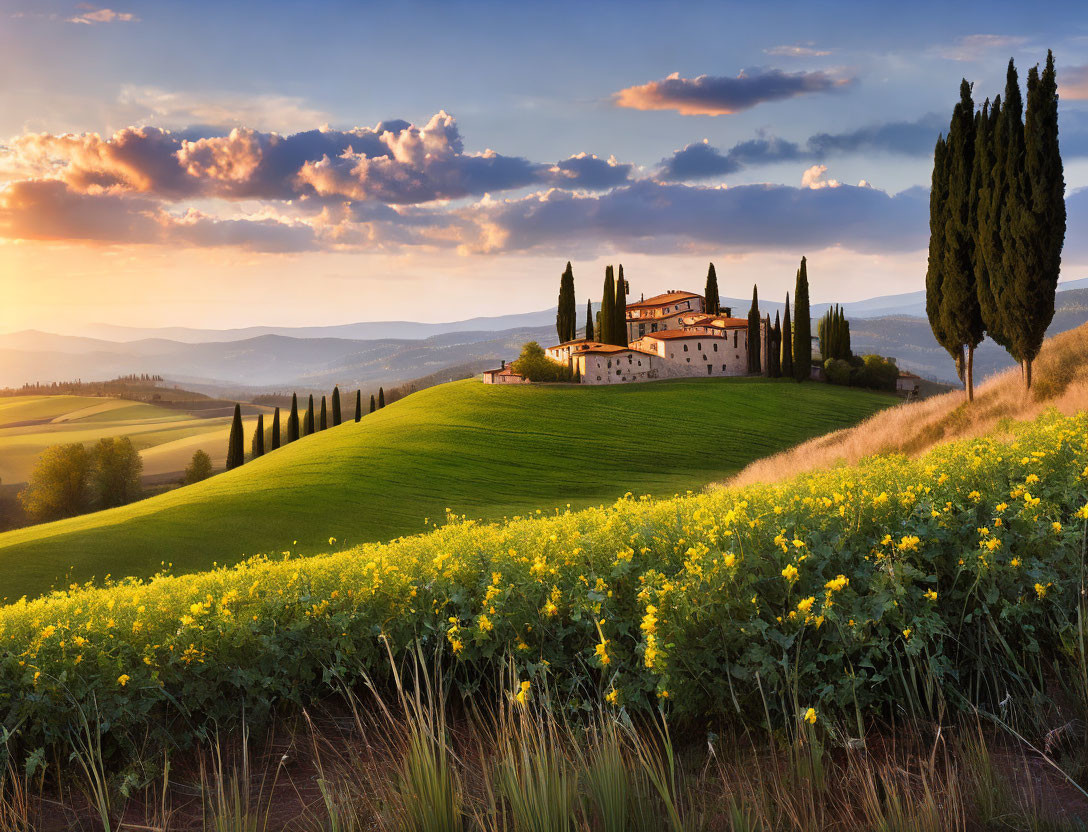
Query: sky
214, 164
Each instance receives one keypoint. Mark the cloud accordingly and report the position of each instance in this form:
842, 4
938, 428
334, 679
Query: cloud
590, 172
813, 179
714, 96
656, 217
797, 51
224, 110
1073, 83
394, 162
90, 16
50, 210
702, 161
979, 47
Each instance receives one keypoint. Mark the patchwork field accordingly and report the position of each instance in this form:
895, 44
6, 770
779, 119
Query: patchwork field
165, 437
487, 452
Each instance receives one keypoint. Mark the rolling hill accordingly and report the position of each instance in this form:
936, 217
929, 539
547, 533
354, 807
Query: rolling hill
483, 451
165, 437
1060, 382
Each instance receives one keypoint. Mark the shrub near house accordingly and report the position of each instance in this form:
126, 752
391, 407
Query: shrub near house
534, 365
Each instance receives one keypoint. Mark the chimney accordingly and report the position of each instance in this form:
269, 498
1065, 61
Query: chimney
503, 364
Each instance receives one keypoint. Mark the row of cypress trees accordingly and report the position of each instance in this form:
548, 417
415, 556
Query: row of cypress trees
834, 334
296, 426
789, 342
997, 222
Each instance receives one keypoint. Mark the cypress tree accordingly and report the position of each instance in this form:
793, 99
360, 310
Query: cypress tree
275, 443
565, 316
712, 299
1016, 244
786, 363
235, 448
844, 335
802, 326
373, 407
619, 309
935, 268
1042, 218
381, 398
292, 420
774, 356
990, 179
257, 444
608, 312
589, 320
754, 363
961, 317
358, 405
324, 423
308, 427
336, 406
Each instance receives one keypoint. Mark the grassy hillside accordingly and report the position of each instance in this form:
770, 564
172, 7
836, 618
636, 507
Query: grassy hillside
166, 437
1060, 381
483, 451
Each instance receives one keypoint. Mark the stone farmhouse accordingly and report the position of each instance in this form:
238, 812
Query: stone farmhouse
669, 336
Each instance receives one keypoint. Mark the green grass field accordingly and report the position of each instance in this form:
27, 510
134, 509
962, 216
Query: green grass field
479, 450
166, 438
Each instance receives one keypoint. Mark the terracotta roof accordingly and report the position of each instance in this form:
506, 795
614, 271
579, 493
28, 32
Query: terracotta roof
611, 349
908, 374
713, 320
675, 334
663, 300
572, 343
501, 371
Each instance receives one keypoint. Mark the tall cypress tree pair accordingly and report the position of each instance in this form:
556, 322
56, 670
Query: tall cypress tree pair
754, 362
236, 454
358, 405
275, 438
566, 316
802, 326
1004, 229
786, 363
712, 303
292, 420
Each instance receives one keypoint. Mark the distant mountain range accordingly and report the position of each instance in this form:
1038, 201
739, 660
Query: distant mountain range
258, 359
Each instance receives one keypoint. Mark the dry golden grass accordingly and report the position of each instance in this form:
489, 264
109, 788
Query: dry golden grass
1060, 380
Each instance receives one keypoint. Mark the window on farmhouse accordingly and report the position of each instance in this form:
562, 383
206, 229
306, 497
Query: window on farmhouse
685, 347
610, 363
709, 369
734, 337
723, 368
715, 348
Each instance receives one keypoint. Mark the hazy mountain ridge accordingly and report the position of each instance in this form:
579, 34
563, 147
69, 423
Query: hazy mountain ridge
891, 325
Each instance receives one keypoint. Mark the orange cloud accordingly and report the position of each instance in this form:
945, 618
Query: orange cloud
1073, 83
709, 95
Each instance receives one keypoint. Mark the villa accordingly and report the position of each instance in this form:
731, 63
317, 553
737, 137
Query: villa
670, 336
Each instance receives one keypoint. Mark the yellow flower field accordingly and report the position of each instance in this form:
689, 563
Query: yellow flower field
878, 588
